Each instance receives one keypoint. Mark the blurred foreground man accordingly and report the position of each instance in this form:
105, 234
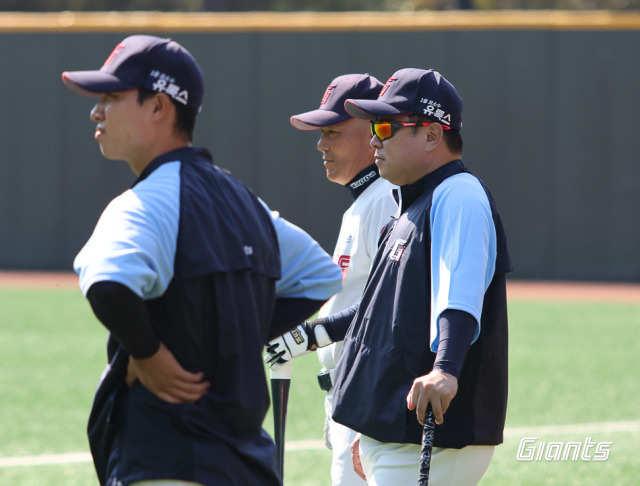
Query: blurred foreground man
184, 269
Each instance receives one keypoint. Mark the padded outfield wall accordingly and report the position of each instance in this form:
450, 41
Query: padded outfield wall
551, 122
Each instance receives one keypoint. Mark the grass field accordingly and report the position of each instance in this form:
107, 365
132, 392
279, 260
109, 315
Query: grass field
570, 364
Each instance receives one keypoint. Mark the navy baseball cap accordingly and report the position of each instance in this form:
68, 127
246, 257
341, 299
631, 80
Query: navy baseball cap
332, 111
144, 61
413, 91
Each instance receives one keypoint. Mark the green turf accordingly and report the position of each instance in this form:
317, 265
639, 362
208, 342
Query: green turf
569, 364
572, 363
51, 359
621, 469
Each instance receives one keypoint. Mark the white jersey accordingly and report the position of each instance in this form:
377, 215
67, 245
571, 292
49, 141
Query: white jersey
357, 245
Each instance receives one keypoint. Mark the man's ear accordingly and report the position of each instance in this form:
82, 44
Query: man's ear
161, 105
433, 136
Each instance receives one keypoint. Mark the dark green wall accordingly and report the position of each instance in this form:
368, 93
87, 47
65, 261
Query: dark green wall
551, 124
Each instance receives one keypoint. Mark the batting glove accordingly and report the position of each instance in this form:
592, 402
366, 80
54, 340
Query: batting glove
297, 342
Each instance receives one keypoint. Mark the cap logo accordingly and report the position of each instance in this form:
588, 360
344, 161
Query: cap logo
386, 86
326, 94
433, 109
167, 84
113, 54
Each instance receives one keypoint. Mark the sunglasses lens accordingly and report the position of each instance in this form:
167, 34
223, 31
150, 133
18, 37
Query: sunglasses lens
382, 130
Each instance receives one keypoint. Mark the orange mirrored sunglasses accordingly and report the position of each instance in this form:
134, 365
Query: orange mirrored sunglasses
387, 129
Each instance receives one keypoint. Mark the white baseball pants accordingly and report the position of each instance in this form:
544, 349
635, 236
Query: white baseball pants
387, 464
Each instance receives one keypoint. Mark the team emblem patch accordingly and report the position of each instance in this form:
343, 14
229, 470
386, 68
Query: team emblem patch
398, 250
113, 54
386, 86
327, 93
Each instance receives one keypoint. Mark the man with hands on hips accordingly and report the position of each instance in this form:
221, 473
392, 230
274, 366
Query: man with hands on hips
431, 326
191, 274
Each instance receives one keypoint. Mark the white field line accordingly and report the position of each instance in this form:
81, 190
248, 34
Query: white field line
300, 445
594, 428
45, 459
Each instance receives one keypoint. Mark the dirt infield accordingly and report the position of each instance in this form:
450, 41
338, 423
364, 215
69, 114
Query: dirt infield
517, 289
50, 280
573, 291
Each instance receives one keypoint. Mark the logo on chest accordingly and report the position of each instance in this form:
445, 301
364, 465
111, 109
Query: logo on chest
344, 261
397, 250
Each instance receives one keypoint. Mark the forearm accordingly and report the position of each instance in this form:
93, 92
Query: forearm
122, 312
457, 329
308, 336
337, 325
288, 313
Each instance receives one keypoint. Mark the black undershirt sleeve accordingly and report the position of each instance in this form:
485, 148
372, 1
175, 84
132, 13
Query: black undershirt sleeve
121, 311
290, 312
457, 329
337, 325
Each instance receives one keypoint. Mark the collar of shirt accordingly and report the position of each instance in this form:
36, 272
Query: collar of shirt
410, 192
181, 154
362, 180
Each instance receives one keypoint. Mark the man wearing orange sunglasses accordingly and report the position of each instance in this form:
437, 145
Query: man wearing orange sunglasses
348, 161
431, 326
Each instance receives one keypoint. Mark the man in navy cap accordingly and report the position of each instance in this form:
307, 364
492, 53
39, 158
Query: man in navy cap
348, 160
186, 271
431, 327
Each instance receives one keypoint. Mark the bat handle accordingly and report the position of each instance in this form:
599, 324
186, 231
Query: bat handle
281, 372
280, 382
427, 445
